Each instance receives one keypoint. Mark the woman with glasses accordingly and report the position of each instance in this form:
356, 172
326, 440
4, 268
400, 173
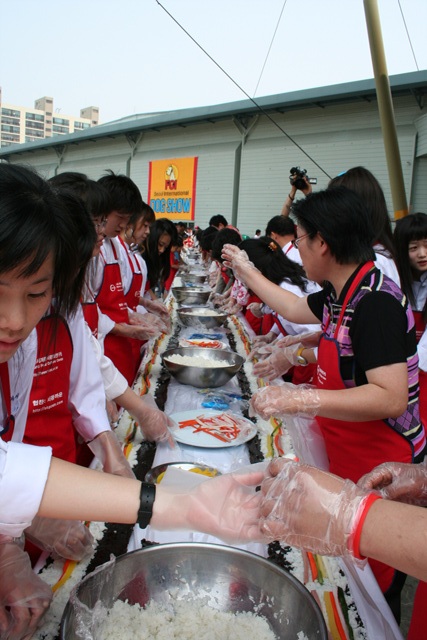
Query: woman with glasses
366, 394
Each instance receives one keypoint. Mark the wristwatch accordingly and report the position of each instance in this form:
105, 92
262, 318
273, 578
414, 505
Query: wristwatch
303, 362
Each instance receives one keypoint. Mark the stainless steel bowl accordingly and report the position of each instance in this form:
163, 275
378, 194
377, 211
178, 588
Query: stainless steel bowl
193, 278
191, 295
204, 469
196, 317
203, 377
227, 579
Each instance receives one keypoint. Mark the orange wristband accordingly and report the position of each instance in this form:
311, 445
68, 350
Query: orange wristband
354, 540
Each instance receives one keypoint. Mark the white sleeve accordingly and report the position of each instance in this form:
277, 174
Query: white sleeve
87, 396
293, 328
23, 475
387, 266
422, 352
115, 384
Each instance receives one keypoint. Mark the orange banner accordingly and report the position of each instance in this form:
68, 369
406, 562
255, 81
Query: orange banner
172, 188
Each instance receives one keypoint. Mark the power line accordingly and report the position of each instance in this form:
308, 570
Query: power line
263, 111
269, 48
407, 33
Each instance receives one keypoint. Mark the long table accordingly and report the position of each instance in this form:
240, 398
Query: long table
351, 602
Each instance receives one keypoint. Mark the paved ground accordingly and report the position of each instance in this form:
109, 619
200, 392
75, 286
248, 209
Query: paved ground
407, 600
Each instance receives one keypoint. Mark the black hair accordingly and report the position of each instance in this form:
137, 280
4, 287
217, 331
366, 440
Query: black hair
125, 195
367, 187
269, 258
35, 223
411, 227
94, 195
207, 237
282, 225
217, 219
224, 236
342, 219
158, 265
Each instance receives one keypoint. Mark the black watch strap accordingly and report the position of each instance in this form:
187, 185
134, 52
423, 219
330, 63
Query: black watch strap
146, 501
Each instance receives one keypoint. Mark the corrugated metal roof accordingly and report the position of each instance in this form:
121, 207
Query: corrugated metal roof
414, 83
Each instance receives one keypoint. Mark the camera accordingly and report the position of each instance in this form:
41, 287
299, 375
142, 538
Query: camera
297, 176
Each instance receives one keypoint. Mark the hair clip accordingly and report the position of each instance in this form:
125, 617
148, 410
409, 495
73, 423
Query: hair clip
272, 246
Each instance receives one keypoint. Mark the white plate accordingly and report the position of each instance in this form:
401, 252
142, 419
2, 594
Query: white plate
187, 435
208, 344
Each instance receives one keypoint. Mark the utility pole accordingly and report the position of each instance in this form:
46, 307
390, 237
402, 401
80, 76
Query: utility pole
385, 108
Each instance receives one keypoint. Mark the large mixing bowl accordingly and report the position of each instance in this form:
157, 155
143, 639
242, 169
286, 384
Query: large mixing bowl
203, 376
193, 278
227, 579
200, 318
191, 295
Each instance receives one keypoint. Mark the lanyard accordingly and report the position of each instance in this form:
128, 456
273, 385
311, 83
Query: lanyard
358, 279
5, 383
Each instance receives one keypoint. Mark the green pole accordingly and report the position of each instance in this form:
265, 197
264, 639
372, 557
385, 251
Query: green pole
385, 108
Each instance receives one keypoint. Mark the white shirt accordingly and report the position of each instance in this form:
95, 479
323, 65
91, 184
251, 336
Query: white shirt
292, 252
293, 328
385, 263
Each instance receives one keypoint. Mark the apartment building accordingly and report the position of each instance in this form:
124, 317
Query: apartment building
24, 124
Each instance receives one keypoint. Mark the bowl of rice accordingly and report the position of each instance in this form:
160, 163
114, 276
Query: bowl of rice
191, 295
201, 317
202, 368
181, 590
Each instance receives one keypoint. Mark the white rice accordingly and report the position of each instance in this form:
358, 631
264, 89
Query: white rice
197, 361
186, 621
201, 312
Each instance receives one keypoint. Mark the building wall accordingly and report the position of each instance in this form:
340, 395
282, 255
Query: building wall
244, 175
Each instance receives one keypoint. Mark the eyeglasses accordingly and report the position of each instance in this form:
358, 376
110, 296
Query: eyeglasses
295, 242
100, 225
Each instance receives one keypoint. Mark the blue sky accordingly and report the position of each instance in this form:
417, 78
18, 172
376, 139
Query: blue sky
129, 56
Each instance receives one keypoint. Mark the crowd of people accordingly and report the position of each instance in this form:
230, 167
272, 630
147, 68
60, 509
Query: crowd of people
336, 300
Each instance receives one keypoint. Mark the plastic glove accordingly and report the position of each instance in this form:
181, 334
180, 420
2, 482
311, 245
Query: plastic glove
24, 597
237, 260
256, 309
112, 411
308, 340
260, 341
147, 325
231, 307
107, 449
152, 422
156, 307
226, 506
312, 509
277, 363
64, 538
398, 481
286, 399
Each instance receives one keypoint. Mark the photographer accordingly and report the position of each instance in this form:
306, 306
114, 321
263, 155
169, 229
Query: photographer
299, 182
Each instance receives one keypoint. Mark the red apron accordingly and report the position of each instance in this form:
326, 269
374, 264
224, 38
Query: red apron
132, 299
354, 448
91, 316
9, 422
420, 325
49, 421
111, 301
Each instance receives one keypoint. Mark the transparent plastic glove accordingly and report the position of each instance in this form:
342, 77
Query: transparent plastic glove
286, 399
308, 340
156, 307
277, 363
112, 411
226, 506
232, 307
24, 597
147, 325
312, 509
260, 341
107, 449
398, 481
256, 309
64, 538
153, 422
237, 260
